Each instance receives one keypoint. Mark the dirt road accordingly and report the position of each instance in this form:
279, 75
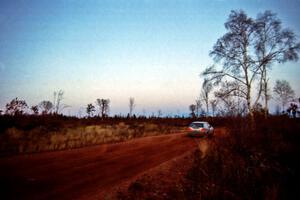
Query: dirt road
86, 173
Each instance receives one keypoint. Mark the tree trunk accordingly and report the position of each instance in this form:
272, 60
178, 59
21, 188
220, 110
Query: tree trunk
207, 108
266, 110
250, 110
265, 84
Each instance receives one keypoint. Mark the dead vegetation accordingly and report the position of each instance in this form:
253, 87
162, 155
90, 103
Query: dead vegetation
29, 134
17, 141
258, 164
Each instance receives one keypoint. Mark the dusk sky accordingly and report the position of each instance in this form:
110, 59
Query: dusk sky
152, 50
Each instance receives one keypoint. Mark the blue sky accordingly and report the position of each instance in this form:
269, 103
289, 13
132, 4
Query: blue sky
152, 50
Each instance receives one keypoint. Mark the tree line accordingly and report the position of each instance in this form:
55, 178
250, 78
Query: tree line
101, 107
19, 107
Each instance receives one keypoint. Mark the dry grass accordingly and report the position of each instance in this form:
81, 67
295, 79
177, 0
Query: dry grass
16, 141
246, 163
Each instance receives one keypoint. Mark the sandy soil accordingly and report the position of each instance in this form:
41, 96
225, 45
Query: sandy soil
87, 173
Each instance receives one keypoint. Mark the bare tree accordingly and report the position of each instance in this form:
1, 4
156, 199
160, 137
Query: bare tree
247, 51
293, 109
16, 107
103, 107
131, 106
229, 94
206, 89
198, 107
57, 102
283, 91
159, 113
35, 109
46, 107
192, 108
229, 106
213, 105
258, 109
90, 109
273, 44
232, 50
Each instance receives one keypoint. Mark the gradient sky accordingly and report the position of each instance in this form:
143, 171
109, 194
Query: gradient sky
152, 50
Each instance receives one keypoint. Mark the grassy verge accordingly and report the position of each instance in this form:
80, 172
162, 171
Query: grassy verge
17, 141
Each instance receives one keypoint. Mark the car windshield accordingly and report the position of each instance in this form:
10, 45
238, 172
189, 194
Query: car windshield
197, 125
